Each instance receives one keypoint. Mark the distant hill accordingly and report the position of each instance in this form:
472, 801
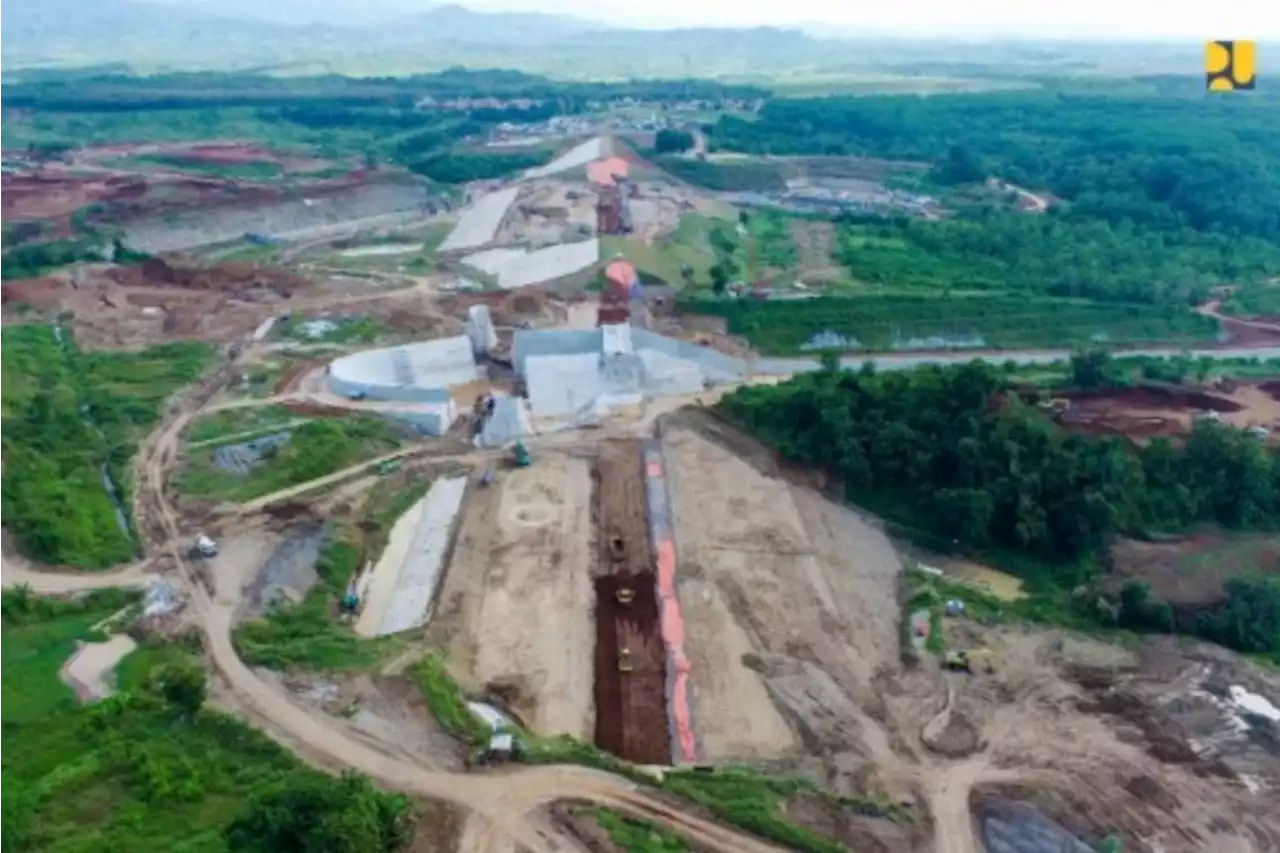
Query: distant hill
370, 38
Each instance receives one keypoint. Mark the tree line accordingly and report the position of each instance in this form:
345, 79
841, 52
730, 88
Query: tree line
965, 457
1161, 163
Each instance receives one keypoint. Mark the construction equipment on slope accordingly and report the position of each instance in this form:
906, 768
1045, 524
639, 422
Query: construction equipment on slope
964, 660
501, 748
624, 660
625, 595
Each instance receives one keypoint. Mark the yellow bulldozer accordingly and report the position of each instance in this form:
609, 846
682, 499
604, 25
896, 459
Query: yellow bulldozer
965, 660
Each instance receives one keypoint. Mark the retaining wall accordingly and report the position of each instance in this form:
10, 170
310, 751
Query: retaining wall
411, 600
679, 696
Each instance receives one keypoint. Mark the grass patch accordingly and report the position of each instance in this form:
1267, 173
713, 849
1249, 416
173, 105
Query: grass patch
254, 171
40, 634
932, 320
446, 701
1261, 300
130, 773
638, 836
231, 422
335, 330
315, 449
309, 634
755, 801
68, 417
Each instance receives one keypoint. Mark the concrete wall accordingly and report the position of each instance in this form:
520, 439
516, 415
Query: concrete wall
527, 342
480, 223
416, 373
411, 602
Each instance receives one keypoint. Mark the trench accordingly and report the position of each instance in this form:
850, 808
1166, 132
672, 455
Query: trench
630, 656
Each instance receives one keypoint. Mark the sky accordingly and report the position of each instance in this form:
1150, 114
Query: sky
1127, 19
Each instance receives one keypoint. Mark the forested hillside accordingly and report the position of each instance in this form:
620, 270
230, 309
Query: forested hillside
1207, 164
962, 457
1154, 199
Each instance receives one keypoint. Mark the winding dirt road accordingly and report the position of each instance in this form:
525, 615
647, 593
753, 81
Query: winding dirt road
505, 800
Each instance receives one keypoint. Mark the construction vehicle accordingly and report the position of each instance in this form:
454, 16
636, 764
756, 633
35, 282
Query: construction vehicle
204, 548
964, 660
501, 748
351, 601
521, 455
390, 466
1057, 407
486, 479
625, 595
624, 660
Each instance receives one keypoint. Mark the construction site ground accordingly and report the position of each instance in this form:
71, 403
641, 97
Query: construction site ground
1147, 412
791, 604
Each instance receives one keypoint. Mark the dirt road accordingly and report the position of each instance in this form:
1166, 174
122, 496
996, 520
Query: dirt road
504, 800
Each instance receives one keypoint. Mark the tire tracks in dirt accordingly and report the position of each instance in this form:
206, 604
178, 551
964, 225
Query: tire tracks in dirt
505, 799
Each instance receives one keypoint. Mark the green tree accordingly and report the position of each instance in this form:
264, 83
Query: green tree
184, 685
307, 813
16, 813
668, 141
1091, 369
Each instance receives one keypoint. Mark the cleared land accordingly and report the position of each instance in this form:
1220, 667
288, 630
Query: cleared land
1145, 412
515, 609
779, 587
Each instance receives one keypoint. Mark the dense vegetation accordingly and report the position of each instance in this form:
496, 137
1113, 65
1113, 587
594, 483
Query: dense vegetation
1160, 163
960, 454
1158, 197
737, 177
1057, 254
70, 417
149, 770
915, 321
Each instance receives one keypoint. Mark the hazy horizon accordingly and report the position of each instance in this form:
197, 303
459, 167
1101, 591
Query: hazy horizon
1079, 20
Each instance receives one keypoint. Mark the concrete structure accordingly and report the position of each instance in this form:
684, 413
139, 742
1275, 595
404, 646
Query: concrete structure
480, 329
575, 158
510, 421
417, 561
479, 224
420, 373
578, 376
517, 268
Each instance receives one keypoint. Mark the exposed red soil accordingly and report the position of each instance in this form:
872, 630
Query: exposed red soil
621, 524
1152, 410
52, 196
631, 717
